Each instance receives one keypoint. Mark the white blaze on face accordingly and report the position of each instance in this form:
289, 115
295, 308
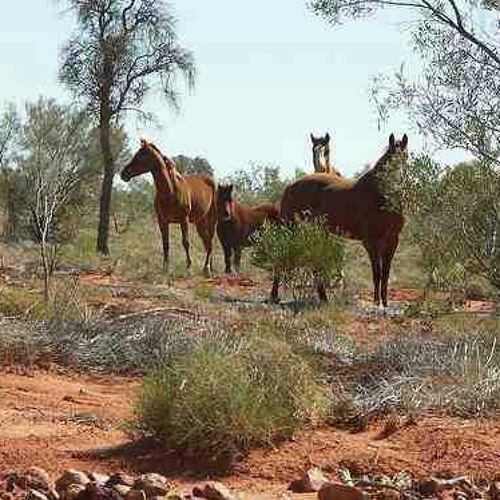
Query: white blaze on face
319, 158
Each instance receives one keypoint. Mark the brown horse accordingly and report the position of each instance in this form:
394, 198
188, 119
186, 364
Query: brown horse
236, 223
358, 209
178, 200
321, 155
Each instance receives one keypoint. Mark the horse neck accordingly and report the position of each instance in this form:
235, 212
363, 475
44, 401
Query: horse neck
162, 180
370, 178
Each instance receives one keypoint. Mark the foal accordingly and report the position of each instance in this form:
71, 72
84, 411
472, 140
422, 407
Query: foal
321, 155
236, 223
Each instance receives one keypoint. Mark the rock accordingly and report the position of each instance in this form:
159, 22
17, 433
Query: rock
71, 477
34, 495
214, 490
94, 491
152, 484
52, 494
38, 479
121, 489
98, 478
310, 482
71, 491
135, 495
121, 478
337, 491
494, 491
388, 495
429, 487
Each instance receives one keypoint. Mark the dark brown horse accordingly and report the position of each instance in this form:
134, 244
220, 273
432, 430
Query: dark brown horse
358, 209
178, 200
321, 155
236, 223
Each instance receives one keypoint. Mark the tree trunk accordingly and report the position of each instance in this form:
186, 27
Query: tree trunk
107, 182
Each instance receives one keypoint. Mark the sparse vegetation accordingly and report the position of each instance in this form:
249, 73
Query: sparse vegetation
222, 400
300, 254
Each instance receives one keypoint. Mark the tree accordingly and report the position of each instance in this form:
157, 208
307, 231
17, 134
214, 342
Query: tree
193, 166
120, 49
54, 141
455, 98
9, 135
258, 184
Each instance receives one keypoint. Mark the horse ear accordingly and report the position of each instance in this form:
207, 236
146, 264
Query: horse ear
327, 137
392, 142
313, 139
230, 188
404, 141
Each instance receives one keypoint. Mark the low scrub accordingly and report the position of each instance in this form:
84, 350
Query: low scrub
220, 402
300, 254
458, 376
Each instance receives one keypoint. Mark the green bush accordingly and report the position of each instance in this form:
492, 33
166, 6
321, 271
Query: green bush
454, 218
300, 254
220, 402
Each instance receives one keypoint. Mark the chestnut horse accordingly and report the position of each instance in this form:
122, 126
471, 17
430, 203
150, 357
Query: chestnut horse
178, 200
358, 209
321, 155
236, 223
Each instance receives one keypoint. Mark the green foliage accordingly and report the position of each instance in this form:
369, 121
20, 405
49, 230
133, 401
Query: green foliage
220, 402
299, 253
193, 166
454, 218
258, 184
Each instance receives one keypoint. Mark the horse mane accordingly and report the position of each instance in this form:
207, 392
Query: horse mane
177, 180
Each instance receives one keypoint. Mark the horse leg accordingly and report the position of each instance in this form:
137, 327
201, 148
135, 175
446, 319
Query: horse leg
237, 258
206, 235
274, 290
227, 257
165, 242
320, 287
375, 260
185, 242
387, 256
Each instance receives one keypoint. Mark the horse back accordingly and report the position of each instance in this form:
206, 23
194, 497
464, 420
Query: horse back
202, 192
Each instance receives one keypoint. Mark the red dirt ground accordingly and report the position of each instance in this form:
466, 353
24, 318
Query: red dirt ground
69, 420
60, 419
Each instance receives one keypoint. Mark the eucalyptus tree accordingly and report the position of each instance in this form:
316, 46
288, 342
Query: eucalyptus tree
120, 52
454, 98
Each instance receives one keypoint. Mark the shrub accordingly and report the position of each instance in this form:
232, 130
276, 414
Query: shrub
300, 254
454, 218
220, 403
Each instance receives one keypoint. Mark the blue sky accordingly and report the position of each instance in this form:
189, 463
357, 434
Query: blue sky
269, 72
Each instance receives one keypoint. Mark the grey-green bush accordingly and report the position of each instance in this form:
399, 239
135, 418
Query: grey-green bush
220, 403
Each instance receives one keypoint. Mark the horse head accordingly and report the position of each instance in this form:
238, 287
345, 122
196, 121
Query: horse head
146, 159
321, 153
225, 202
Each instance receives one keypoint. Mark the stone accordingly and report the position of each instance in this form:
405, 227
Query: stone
152, 484
38, 479
388, 495
337, 491
214, 490
429, 487
35, 495
71, 477
121, 489
98, 478
121, 478
310, 482
94, 491
71, 491
494, 491
134, 494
